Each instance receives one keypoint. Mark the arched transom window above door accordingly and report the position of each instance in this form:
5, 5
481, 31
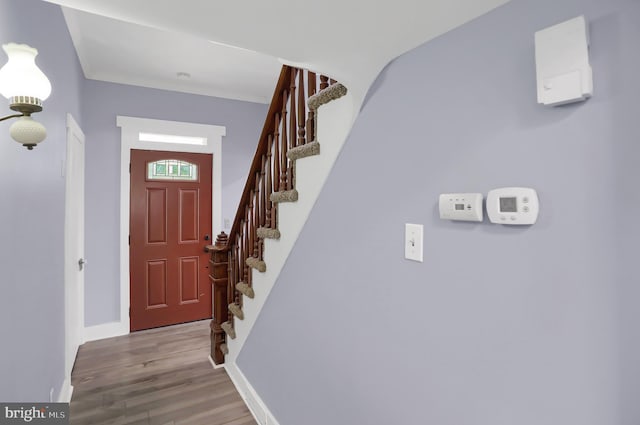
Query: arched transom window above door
172, 169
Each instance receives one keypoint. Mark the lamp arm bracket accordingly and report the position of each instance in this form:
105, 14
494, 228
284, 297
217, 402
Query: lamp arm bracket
12, 116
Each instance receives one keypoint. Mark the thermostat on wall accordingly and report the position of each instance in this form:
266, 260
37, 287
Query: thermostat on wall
513, 205
461, 206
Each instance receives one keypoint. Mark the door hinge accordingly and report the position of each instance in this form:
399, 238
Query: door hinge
129, 311
129, 239
129, 168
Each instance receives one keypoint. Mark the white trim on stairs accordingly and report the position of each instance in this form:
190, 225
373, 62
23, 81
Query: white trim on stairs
334, 121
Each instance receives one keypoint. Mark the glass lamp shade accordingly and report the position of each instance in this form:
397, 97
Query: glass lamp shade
20, 76
27, 132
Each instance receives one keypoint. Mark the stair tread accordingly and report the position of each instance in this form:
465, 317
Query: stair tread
245, 289
268, 233
333, 92
304, 151
257, 264
228, 328
284, 196
236, 310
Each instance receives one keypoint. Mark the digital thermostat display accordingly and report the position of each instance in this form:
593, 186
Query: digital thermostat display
460, 206
508, 205
513, 205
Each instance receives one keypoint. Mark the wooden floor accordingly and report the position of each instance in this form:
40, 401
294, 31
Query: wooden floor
160, 376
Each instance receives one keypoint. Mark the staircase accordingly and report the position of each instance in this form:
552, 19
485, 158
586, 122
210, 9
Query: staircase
245, 263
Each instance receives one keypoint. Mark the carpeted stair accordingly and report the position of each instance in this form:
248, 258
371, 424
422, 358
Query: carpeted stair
312, 148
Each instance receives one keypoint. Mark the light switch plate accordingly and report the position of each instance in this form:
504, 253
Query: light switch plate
413, 242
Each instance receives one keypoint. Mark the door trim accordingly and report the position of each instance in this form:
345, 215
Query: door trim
73, 130
131, 127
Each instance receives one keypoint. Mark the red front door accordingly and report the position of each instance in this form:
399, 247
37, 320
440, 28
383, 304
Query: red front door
169, 221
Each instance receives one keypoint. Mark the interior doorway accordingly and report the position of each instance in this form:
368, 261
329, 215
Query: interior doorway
73, 249
174, 136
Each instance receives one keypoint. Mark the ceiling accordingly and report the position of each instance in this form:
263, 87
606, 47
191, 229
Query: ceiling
234, 49
122, 52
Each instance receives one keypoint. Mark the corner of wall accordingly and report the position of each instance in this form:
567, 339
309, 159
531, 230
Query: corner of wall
256, 405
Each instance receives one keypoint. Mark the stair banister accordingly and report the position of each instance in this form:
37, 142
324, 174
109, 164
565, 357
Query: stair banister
289, 124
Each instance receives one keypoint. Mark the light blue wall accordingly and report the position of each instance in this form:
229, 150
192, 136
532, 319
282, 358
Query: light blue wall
105, 101
500, 325
32, 217
32, 212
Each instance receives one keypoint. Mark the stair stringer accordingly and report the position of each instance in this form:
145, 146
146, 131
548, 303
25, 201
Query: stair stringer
333, 123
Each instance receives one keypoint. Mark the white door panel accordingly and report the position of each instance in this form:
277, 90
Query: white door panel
74, 244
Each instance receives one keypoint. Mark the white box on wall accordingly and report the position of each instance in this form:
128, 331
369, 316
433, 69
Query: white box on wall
562, 63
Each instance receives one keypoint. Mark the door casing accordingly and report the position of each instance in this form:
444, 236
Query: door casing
73, 249
131, 128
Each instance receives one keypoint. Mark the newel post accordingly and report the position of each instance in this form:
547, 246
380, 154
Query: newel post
219, 277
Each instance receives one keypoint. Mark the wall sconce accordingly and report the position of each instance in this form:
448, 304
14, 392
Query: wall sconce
26, 87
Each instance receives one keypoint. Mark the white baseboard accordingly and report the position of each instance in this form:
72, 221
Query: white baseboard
65, 392
106, 330
257, 407
215, 366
